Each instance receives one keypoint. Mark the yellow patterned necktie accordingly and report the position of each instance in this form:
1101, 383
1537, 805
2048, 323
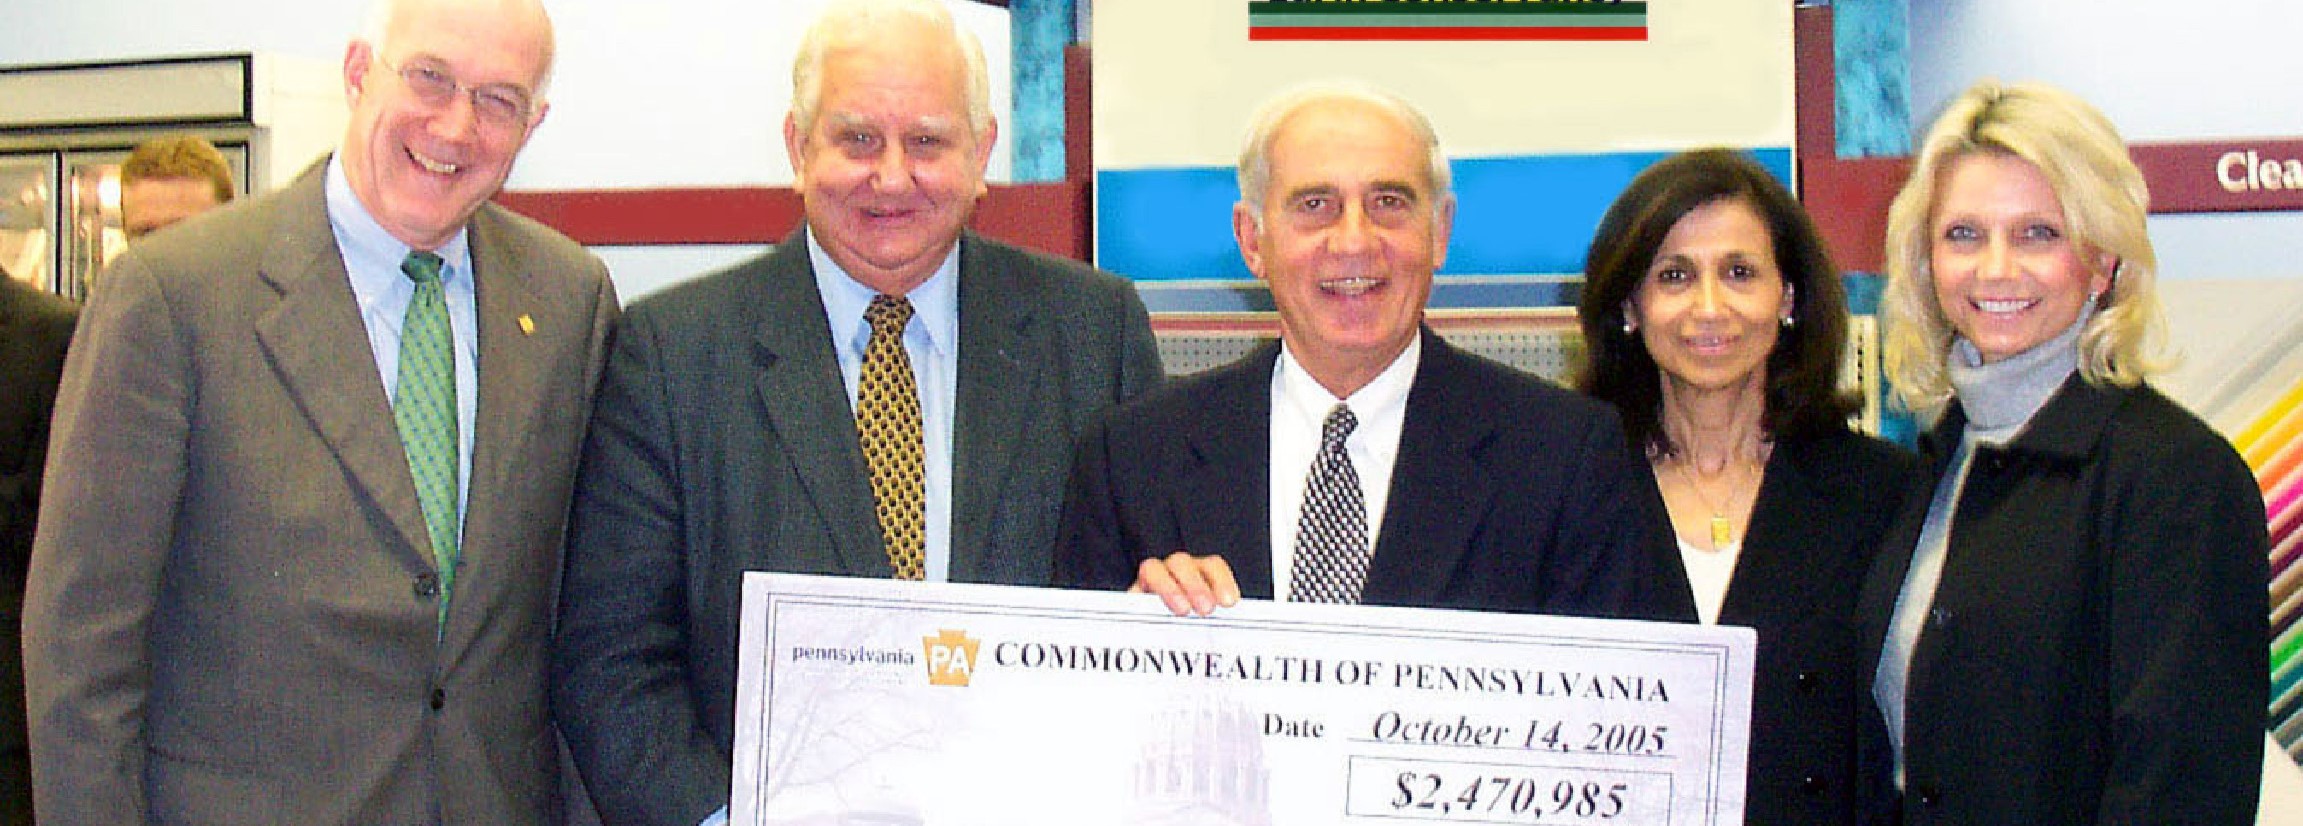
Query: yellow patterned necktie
888, 422
425, 412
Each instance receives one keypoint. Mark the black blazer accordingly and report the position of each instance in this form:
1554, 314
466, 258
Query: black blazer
2097, 649
35, 329
723, 441
1509, 494
1822, 509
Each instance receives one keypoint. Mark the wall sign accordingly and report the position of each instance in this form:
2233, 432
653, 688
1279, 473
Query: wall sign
1447, 20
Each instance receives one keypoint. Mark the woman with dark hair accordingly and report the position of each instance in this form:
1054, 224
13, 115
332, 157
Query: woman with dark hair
2074, 627
1714, 320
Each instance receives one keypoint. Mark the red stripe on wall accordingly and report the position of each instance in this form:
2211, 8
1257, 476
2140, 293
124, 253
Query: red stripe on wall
1049, 217
720, 215
1482, 33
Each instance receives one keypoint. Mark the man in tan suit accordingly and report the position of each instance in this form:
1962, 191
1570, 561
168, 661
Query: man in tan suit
263, 589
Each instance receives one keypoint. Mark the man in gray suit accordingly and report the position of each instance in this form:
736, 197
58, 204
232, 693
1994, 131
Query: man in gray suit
310, 470
727, 432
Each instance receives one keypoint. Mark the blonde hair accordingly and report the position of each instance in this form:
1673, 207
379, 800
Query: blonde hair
2105, 204
180, 156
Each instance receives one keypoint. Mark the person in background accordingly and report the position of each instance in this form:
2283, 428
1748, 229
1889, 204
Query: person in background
1714, 321
2073, 627
1361, 458
310, 470
168, 179
35, 329
882, 395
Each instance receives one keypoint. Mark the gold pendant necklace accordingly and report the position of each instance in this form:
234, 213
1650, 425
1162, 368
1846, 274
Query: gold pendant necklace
1722, 528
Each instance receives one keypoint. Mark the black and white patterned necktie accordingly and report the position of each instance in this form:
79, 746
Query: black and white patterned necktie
1331, 536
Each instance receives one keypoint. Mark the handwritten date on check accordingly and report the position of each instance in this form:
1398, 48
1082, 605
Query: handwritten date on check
959, 705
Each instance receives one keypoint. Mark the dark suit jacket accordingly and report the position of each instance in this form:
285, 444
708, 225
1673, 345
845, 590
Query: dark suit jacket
724, 442
2097, 647
1823, 506
233, 613
1509, 494
35, 327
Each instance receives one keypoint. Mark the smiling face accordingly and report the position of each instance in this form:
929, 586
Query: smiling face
1710, 304
1348, 238
890, 170
2008, 274
421, 169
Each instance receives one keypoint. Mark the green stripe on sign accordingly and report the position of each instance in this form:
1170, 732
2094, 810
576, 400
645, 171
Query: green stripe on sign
1413, 20
1445, 9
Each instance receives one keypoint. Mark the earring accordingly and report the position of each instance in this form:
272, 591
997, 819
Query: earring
1788, 321
1629, 327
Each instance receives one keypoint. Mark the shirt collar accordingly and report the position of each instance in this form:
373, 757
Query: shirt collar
1387, 390
369, 248
935, 302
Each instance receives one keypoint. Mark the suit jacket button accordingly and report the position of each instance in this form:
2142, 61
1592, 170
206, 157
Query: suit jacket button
1806, 682
439, 698
1813, 786
1928, 796
427, 585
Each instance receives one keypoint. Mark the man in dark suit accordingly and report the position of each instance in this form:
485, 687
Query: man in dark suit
310, 471
35, 327
746, 420
1382, 464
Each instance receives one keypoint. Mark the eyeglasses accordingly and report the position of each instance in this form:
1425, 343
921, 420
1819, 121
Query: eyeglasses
502, 107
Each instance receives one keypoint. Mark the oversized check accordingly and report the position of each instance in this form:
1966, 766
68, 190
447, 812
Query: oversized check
872, 701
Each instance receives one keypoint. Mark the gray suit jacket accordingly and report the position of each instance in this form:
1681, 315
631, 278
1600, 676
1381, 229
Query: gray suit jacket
232, 610
724, 442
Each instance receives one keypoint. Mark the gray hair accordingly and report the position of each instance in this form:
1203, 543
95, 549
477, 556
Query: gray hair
376, 29
1255, 157
853, 21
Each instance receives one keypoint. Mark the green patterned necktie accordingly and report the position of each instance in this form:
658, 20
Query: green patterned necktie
426, 412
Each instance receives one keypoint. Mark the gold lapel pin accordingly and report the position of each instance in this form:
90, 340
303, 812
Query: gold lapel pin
527, 325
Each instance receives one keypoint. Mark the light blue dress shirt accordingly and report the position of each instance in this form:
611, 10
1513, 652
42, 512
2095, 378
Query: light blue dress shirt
932, 341
372, 259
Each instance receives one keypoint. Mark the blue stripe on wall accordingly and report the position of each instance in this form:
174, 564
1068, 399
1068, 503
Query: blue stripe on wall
1523, 215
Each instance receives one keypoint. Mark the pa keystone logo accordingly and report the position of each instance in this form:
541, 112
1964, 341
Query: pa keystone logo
951, 657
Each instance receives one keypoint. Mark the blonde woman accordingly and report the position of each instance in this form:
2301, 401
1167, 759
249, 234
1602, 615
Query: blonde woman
2073, 627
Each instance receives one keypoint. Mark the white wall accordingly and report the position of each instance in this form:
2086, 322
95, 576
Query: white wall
2162, 72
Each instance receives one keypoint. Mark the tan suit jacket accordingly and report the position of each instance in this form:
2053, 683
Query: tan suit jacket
232, 608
